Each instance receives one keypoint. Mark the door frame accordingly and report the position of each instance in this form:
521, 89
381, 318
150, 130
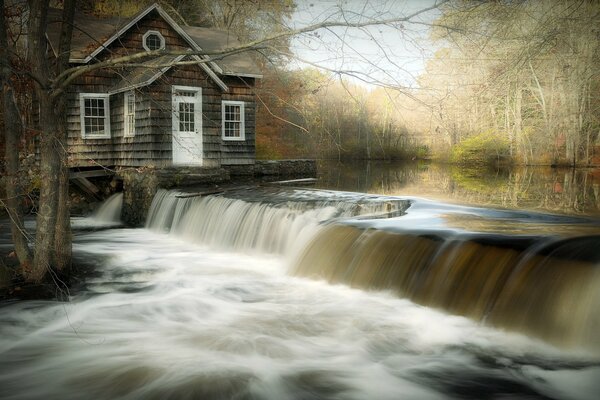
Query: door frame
175, 100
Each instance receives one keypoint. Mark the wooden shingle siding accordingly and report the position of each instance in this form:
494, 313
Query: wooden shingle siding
241, 152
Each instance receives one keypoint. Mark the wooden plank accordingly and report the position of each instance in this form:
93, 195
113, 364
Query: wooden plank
91, 173
87, 187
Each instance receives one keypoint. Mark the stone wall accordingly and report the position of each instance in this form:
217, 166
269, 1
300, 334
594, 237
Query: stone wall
301, 168
286, 168
140, 186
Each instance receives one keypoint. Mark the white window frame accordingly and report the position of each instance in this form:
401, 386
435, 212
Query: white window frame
242, 121
161, 37
197, 109
127, 113
106, 98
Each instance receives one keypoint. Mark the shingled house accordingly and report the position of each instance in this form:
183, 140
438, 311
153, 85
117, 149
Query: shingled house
157, 113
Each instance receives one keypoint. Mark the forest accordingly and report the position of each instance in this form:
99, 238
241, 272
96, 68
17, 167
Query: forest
508, 83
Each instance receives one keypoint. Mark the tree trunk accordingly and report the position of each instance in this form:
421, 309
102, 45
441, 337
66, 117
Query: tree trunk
45, 256
518, 120
62, 246
53, 235
12, 132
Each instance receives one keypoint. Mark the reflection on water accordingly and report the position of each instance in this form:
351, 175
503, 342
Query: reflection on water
569, 191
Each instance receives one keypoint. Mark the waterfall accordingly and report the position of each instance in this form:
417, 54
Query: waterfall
539, 285
109, 211
268, 227
546, 288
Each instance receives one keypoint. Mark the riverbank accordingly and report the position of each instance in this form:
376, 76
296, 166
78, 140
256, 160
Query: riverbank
12, 285
14, 288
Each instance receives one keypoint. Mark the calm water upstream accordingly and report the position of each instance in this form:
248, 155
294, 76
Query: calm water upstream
269, 293
562, 190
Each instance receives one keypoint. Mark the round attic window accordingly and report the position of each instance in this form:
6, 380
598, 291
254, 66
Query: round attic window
153, 40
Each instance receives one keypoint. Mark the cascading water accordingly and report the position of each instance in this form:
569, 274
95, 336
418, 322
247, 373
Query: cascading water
547, 289
258, 226
210, 302
107, 215
491, 278
109, 211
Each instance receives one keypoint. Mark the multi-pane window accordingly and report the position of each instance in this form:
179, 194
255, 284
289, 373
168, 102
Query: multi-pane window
186, 117
129, 103
153, 40
187, 109
95, 115
233, 120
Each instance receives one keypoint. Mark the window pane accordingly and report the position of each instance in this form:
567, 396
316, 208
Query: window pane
131, 103
130, 124
130, 114
94, 115
153, 42
233, 120
232, 112
186, 117
185, 93
94, 126
232, 129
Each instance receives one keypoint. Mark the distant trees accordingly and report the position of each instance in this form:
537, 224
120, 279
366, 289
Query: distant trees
510, 82
321, 115
527, 71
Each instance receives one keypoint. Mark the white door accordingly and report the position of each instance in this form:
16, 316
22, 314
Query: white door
187, 125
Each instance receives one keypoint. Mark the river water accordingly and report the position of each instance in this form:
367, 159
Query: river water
556, 190
268, 293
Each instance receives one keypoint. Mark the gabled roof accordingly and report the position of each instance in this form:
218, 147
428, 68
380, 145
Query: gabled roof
237, 64
92, 35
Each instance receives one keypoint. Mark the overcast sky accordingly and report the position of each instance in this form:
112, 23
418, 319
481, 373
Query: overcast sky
380, 52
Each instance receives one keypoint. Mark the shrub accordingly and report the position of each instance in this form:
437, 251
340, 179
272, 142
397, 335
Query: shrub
484, 149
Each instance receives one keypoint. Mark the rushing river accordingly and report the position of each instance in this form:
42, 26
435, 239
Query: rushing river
304, 294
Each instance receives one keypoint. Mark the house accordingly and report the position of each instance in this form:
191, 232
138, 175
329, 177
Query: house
157, 112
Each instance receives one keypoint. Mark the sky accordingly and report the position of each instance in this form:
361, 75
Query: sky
395, 55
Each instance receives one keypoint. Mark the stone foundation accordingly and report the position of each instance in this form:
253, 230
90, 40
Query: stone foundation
140, 186
286, 168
